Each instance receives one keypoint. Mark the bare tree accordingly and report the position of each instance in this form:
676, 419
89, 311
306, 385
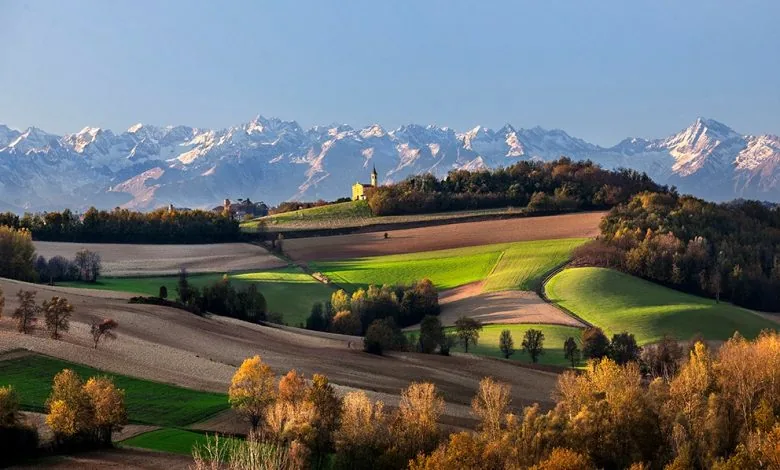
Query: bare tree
103, 329
89, 264
57, 312
27, 312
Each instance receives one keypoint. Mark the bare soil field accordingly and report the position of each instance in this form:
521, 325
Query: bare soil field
505, 307
174, 346
441, 237
142, 260
118, 458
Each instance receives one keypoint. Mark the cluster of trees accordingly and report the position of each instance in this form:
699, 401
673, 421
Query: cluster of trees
312, 423
354, 314
542, 186
716, 410
80, 415
56, 315
85, 266
125, 226
725, 251
221, 298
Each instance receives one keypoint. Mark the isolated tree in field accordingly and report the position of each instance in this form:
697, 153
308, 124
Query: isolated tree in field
103, 330
57, 313
467, 330
108, 405
183, 288
252, 390
571, 351
163, 292
27, 311
316, 319
506, 344
431, 334
533, 344
623, 348
595, 343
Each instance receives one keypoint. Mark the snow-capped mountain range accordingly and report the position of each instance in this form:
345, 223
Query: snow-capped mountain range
273, 160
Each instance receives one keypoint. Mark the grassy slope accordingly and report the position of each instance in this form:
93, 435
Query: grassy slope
147, 402
288, 291
618, 302
505, 265
357, 214
176, 441
343, 212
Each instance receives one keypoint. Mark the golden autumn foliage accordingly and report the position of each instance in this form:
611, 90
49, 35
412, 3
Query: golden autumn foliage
91, 410
252, 389
564, 459
70, 409
108, 403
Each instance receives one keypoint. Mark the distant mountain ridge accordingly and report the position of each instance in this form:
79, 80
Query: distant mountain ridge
274, 160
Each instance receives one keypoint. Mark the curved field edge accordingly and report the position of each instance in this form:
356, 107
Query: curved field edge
147, 402
503, 266
618, 302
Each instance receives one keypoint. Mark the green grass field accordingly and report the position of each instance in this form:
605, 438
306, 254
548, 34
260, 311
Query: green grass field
618, 302
288, 291
147, 402
554, 336
175, 441
504, 266
357, 214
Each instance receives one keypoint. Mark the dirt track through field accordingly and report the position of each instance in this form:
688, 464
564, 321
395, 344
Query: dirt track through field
441, 237
505, 307
145, 260
174, 346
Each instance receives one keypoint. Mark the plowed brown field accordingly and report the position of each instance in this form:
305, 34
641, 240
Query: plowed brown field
146, 260
174, 346
441, 237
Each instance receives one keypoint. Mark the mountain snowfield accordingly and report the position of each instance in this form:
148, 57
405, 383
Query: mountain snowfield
273, 160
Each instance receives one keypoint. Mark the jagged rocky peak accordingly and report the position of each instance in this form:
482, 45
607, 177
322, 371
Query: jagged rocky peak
272, 159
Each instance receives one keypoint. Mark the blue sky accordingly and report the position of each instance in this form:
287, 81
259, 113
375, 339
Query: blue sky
600, 69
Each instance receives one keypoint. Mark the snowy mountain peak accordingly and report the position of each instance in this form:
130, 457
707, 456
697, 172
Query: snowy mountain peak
273, 160
135, 128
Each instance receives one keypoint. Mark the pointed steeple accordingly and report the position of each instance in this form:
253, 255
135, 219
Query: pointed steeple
374, 176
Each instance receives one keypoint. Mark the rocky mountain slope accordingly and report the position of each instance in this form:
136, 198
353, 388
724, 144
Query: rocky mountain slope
274, 160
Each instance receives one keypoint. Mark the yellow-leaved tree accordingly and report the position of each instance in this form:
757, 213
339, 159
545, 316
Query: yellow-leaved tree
70, 410
252, 390
108, 403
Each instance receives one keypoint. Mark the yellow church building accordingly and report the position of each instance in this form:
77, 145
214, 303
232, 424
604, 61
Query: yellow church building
358, 189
